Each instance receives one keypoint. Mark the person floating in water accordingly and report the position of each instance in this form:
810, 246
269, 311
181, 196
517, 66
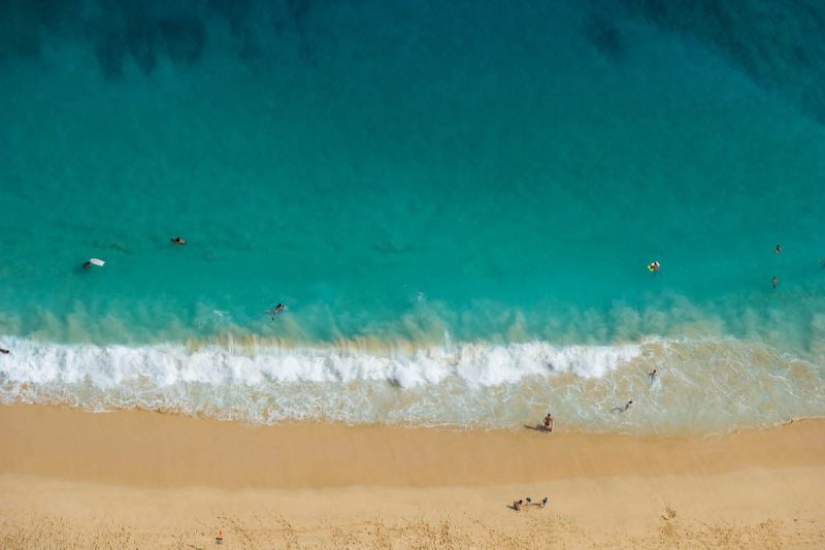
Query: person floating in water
178, 240
774, 281
777, 249
277, 309
654, 266
548, 422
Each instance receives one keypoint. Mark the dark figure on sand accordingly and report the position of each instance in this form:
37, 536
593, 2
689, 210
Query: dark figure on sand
548, 422
519, 505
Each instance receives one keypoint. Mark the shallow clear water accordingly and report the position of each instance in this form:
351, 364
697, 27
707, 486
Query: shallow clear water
447, 199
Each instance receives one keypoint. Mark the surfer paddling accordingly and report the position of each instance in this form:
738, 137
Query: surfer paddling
178, 240
93, 261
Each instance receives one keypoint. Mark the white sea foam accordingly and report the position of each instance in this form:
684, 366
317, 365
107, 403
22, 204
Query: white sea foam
707, 386
106, 367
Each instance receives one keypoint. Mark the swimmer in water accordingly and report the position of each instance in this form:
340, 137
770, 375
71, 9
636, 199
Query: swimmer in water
277, 309
653, 267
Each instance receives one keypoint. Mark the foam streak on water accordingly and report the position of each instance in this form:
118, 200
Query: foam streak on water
702, 386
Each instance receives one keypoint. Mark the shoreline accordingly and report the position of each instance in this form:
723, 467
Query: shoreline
146, 480
114, 447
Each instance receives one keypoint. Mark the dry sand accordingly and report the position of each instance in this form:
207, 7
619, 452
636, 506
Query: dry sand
71, 479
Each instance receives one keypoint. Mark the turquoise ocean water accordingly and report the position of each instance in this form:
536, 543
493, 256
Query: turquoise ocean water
457, 202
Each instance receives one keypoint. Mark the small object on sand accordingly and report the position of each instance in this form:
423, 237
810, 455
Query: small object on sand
219, 538
543, 502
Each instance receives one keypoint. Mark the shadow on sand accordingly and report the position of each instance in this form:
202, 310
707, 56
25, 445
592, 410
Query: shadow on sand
538, 428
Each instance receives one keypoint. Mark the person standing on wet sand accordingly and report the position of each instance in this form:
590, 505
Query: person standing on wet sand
548, 422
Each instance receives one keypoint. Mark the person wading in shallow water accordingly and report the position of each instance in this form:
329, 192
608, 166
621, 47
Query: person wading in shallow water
548, 422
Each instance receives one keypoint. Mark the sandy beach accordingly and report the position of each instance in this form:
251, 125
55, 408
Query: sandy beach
74, 479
